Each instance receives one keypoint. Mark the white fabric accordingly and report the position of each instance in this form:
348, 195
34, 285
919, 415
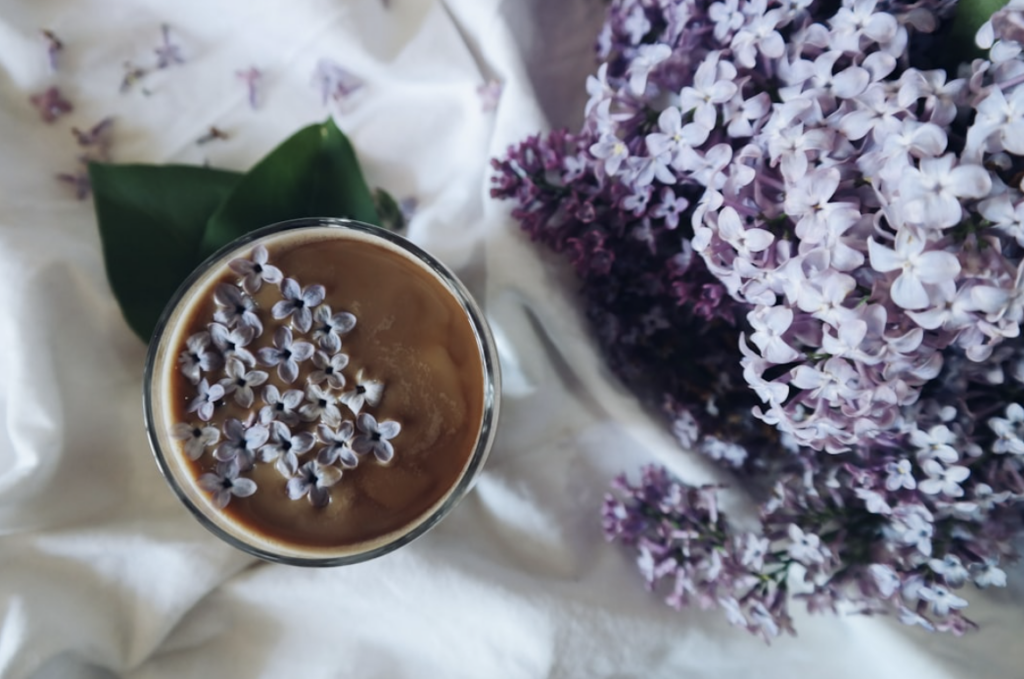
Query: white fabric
103, 573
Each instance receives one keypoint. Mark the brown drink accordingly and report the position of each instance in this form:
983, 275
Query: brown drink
321, 393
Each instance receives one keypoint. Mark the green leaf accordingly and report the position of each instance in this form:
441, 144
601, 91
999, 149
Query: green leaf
152, 219
390, 214
312, 174
970, 15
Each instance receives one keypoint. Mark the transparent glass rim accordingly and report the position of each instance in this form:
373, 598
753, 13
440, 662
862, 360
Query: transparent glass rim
488, 424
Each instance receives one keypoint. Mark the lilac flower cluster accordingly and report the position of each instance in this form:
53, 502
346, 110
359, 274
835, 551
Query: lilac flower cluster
810, 191
293, 419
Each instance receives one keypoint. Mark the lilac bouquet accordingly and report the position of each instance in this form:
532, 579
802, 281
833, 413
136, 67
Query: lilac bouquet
803, 240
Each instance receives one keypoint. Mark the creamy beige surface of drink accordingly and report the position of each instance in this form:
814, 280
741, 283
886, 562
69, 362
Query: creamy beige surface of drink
411, 334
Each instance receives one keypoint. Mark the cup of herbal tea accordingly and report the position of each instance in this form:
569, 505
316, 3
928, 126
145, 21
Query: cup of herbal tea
321, 392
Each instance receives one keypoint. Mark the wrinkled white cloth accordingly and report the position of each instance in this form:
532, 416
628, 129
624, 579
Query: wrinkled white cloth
104, 574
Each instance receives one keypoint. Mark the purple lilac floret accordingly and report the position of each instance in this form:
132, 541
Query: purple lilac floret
240, 381
253, 79
54, 46
197, 438
242, 441
796, 196
337, 445
233, 343
199, 356
78, 180
167, 53
96, 140
328, 369
256, 271
51, 104
286, 354
313, 480
225, 483
364, 392
236, 309
281, 407
328, 327
321, 405
334, 81
283, 448
298, 303
375, 437
205, 400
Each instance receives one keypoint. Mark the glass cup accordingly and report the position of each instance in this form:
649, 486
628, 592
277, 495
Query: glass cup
161, 367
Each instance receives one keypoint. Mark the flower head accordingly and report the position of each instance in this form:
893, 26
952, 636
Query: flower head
256, 270
283, 448
337, 445
240, 381
286, 354
298, 303
225, 483
253, 79
236, 309
364, 391
375, 437
206, 398
167, 54
328, 327
314, 479
320, 405
197, 438
328, 369
51, 104
334, 81
280, 407
241, 442
199, 357
233, 343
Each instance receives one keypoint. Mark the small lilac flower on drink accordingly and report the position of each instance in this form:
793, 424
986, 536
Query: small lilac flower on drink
256, 270
286, 354
205, 399
364, 391
253, 79
225, 483
320, 405
241, 442
328, 369
314, 479
240, 381
197, 438
334, 81
375, 437
298, 303
280, 407
167, 54
233, 343
51, 104
54, 46
77, 180
328, 327
283, 448
199, 357
235, 308
338, 445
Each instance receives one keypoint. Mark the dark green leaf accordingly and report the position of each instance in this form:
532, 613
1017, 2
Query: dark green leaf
313, 174
388, 211
970, 15
152, 219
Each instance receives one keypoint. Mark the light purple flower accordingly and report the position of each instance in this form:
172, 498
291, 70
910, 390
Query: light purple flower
283, 448
951, 569
167, 54
197, 438
805, 547
375, 437
286, 354
298, 303
328, 327
241, 442
256, 271
234, 308
328, 369
900, 475
364, 391
334, 81
670, 207
910, 618
989, 575
942, 600
932, 192
646, 60
320, 405
199, 357
337, 445
755, 549
253, 79
916, 267
945, 480
1008, 430
225, 483
51, 104
280, 407
240, 381
314, 479
885, 579
233, 343
612, 151
205, 399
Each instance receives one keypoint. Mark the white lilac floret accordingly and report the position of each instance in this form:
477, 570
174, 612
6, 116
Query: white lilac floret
241, 442
256, 270
240, 381
236, 309
232, 343
283, 448
197, 438
225, 483
286, 354
320, 405
199, 356
328, 369
314, 479
364, 392
337, 445
282, 407
375, 437
298, 303
203, 403
328, 327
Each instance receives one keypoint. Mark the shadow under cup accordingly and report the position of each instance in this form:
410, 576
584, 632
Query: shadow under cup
376, 506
